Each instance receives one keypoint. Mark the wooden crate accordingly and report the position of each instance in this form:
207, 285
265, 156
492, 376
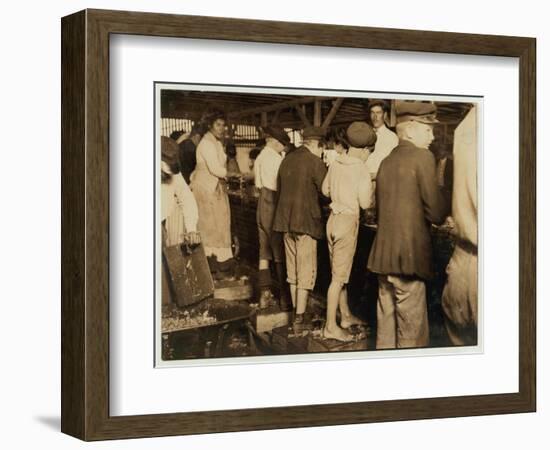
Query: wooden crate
188, 274
233, 290
270, 318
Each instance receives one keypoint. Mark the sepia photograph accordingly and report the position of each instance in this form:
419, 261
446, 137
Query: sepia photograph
314, 222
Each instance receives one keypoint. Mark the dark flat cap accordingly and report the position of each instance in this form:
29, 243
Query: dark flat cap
277, 133
360, 135
379, 102
314, 133
415, 111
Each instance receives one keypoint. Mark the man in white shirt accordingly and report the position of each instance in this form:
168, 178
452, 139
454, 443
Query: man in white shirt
386, 140
266, 171
459, 299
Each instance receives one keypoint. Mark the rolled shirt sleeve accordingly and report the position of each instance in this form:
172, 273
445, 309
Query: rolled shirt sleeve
190, 209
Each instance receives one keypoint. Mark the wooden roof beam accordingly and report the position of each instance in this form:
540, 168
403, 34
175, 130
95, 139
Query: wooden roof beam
335, 107
302, 114
277, 106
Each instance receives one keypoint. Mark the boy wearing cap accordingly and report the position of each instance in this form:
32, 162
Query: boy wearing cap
408, 200
298, 215
349, 187
361, 138
266, 171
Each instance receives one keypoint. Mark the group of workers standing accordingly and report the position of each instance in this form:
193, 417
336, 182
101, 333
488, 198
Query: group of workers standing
374, 167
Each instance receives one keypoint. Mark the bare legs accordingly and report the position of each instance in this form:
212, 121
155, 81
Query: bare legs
347, 319
336, 295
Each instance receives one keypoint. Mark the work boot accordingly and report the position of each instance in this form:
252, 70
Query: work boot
285, 303
264, 285
301, 323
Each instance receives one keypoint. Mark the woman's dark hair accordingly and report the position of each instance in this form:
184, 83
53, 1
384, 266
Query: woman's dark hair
213, 116
198, 129
169, 154
337, 136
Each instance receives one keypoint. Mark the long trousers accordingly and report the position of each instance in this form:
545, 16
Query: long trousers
402, 314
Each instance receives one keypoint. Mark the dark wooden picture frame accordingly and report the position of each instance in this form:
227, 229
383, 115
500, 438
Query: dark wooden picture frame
85, 224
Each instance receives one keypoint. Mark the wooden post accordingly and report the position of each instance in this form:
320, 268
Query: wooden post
393, 115
275, 118
263, 120
300, 109
317, 113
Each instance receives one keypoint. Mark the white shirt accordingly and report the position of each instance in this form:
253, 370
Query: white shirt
465, 178
266, 168
178, 200
386, 141
359, 153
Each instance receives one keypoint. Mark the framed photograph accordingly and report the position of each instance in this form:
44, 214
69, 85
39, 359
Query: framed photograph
272, 225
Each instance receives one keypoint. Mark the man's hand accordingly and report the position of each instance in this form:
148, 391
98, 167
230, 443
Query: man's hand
192, 238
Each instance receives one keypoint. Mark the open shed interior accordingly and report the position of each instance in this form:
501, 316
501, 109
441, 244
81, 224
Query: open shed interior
246, 114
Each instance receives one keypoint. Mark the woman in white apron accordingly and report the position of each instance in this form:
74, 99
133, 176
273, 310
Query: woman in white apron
209, 188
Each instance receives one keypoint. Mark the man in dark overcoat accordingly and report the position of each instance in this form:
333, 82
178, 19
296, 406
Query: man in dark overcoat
408, 201
298, 215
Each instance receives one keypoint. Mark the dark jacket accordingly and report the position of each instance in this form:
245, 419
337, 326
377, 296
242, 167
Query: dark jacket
408, 200
300, 179
187, 158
